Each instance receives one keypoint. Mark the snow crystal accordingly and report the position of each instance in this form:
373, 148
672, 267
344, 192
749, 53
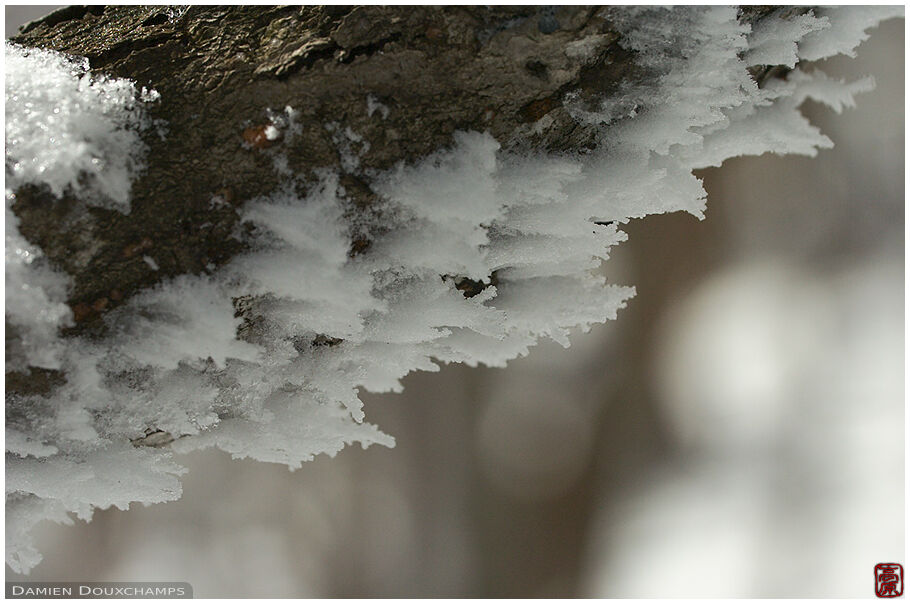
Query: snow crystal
69, 130
35, 295
774, 40
846, 30
373, 105
72, 133
477, 253
23, 445
150, 262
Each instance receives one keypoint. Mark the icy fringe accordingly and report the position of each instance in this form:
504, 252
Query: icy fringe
526, 229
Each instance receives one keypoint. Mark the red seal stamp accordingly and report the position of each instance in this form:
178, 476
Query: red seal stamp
889, 580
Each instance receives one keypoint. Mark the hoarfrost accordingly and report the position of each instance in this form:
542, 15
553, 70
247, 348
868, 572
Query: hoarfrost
482, 253
69, 130
846, 30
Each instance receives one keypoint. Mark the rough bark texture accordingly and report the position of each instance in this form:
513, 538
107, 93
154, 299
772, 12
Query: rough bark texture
219, 69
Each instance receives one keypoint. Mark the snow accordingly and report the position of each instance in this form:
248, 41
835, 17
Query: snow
328, 324
74, 134
373, 105
62, 125
846, 30
150, 262
35, 295
773, 41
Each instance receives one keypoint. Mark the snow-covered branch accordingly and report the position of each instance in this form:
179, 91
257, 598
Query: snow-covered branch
225, 223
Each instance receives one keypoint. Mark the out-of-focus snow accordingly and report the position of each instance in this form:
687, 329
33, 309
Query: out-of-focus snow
787, 468
526, 228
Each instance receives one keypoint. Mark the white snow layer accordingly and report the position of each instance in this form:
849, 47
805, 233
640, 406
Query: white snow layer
74, 134
524, 224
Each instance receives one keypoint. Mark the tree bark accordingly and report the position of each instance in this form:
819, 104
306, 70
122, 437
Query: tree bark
435, 70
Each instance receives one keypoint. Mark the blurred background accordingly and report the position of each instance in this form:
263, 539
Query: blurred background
738, 431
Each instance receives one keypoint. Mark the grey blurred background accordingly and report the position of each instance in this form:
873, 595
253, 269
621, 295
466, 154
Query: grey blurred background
739, 431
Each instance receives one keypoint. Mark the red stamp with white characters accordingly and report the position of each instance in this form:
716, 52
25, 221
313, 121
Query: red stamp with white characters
889, 580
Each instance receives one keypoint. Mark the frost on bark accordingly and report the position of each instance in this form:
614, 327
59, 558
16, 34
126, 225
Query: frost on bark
433, 70
428, 71
332, 197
